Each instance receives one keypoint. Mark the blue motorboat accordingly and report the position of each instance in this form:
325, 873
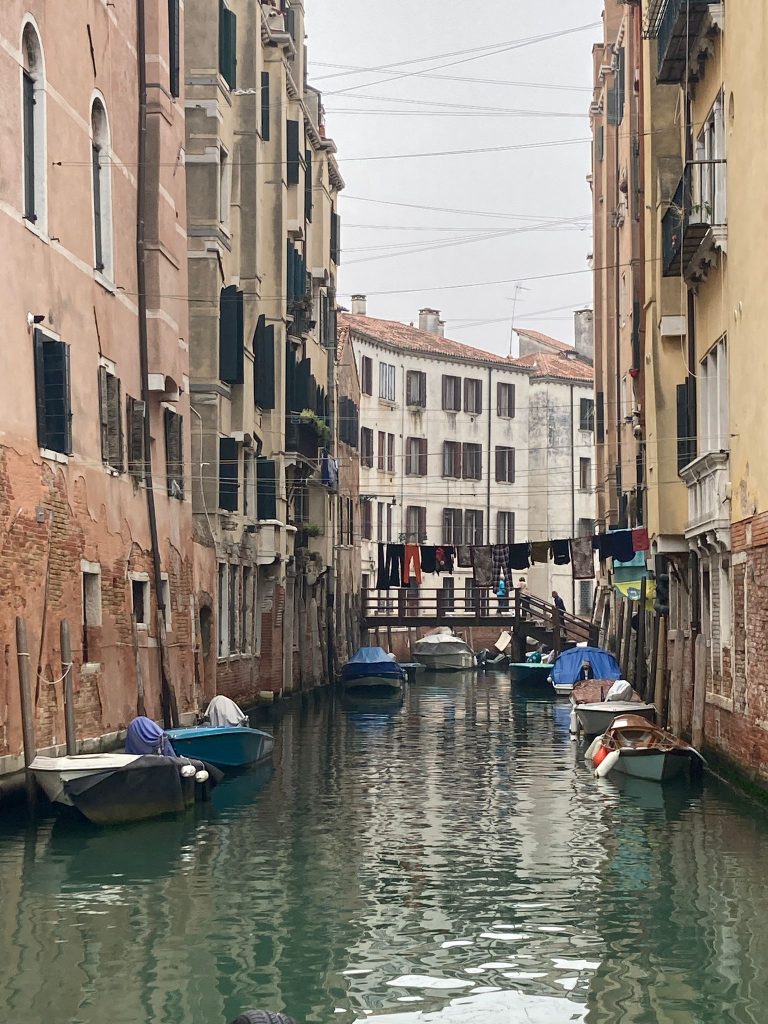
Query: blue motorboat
372, 670
582, 663
224, 739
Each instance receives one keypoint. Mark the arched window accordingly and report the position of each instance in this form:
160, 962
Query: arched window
33, 120
102, 190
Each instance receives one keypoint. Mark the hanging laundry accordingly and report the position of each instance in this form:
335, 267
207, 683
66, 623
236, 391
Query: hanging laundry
481, 564
640, 541
464, 556
412, 558
616, 544
444, 555
561, 552
499, 562
583, 558
540, 551
390, 566
519, 555
428, 558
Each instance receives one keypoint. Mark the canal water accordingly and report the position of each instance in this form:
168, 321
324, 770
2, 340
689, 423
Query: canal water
453, 856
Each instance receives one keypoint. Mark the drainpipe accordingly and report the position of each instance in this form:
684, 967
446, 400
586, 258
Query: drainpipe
488, 485
167, 693
573, 503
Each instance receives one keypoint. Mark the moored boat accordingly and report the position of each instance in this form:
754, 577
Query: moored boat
596, 702
224, 738
443, 651
633, 746
374, 671
582, 663
531, 673
115, 788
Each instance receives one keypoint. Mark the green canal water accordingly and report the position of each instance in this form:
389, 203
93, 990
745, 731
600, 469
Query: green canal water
458, 840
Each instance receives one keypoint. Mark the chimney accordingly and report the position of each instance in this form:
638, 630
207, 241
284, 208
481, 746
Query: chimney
429, 320
584, 334
358, 305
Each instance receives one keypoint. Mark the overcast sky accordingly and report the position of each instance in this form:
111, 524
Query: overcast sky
541, 187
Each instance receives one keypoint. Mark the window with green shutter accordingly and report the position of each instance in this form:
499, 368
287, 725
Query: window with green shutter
229, 471
266, 488
53, 394
292, 152
227, 45
136, 421
110, 407
231, 335
264, 364
265, 105
308, 185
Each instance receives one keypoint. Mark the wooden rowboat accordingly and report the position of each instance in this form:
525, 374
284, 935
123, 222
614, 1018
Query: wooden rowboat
636, 747
594, 714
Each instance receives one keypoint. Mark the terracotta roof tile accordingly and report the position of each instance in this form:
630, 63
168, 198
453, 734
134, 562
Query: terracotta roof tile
411, 339
547, 364
544, 339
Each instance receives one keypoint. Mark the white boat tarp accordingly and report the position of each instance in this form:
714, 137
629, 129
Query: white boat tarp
223, 712
444, 642
620, 691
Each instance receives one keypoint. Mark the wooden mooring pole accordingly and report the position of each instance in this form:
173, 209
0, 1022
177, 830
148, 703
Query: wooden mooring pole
27, 708
69, 693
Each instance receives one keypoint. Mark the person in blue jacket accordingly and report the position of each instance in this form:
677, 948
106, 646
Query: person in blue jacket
503, 596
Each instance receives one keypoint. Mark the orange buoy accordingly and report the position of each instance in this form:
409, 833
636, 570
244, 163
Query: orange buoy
600, 755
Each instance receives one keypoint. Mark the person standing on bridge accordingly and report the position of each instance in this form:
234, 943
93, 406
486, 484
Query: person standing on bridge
557, 601
525, 597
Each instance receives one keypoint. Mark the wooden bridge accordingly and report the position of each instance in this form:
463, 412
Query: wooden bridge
526, 617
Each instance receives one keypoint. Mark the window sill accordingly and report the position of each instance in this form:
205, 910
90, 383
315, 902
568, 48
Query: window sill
105, 282
37, 231
388, 403
53, 456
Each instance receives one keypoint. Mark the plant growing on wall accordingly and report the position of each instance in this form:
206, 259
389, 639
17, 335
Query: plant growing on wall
311, 419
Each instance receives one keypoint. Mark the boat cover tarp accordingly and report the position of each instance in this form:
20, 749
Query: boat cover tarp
567, 668
621, 690
224, 712
146, 737
372, 661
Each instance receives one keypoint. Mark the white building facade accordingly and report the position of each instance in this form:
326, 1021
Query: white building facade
455, 449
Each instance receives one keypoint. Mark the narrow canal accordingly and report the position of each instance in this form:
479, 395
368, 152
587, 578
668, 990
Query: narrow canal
458, 841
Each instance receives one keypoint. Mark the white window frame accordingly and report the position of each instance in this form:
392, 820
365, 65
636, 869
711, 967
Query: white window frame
387, 382
107, 269
143, 578
39, 128
91, 571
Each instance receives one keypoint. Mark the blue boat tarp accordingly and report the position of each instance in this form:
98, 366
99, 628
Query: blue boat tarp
146, 737
567, 668
372, 661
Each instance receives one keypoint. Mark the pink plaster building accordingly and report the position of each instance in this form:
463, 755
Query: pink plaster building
92, 408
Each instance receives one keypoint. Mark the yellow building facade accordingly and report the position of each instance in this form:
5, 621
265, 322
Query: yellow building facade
704, 87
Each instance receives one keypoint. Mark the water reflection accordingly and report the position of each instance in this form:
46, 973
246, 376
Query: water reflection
459, 839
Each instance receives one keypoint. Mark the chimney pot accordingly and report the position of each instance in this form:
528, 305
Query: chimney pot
359, 305
429, 320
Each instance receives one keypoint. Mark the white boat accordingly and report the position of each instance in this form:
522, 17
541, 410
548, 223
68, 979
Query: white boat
633, 746
444, 652
52, 773
596, 702
114, 788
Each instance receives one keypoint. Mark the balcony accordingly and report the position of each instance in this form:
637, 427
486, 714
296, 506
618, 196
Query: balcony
694, 225
708, 498
676, 25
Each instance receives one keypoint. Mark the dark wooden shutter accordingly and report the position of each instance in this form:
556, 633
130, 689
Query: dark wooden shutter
136, 413
231, 335
308, 184
29, 148
173, 46
266, 489
174, 453
682, 425
423, 456
115, 422
264, 364
228, 474
42, 425
97, 236
227, 45
104, 414
600, 416
265, 106
500, 465
511, 466
336, 238
292, 152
